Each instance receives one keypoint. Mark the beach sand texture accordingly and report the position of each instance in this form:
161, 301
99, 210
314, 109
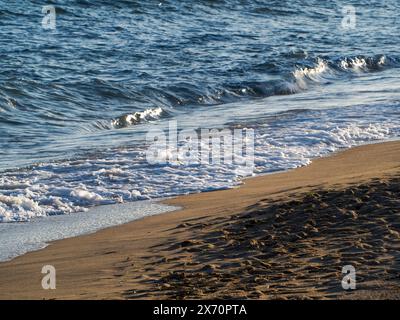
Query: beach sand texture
280, 236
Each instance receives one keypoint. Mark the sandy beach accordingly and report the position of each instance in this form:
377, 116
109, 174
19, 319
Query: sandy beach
278, 236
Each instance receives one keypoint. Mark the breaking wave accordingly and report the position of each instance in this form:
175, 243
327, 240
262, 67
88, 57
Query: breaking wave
137, 117
318, 71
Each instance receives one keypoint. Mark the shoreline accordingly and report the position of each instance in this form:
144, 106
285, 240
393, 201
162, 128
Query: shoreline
115, 261
22, 238
101, 211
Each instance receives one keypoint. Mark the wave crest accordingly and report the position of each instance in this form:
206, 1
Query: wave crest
359, 64
137, 117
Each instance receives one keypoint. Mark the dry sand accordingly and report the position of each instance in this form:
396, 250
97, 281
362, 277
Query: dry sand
279, 236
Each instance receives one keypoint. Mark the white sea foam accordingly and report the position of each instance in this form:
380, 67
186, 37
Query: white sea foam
123, 175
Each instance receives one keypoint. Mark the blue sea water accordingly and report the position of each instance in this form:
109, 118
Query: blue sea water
77, 101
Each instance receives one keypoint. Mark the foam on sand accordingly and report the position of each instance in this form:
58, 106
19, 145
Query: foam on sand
19, 238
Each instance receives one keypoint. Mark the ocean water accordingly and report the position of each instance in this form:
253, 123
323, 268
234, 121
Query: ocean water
77, 101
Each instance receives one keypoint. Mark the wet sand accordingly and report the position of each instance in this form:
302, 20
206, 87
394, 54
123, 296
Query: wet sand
280, 236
